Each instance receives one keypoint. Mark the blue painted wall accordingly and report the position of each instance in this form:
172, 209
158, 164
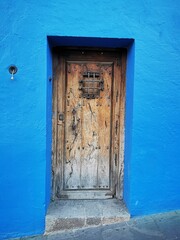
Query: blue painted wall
152, 163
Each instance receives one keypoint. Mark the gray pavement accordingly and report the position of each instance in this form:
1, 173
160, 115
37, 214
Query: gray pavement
164, 226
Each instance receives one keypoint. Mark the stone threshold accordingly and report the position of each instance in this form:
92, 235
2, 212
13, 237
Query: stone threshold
72, 214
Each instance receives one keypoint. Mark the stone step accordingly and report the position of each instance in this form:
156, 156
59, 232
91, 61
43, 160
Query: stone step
73, 214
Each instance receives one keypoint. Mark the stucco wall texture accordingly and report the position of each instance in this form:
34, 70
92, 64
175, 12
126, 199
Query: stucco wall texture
152, 179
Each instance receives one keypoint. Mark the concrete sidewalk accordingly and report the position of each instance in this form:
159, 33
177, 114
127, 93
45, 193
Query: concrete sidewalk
164, 226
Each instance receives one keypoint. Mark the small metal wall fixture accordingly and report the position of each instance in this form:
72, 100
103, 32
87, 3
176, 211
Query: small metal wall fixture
12, 70
91, 85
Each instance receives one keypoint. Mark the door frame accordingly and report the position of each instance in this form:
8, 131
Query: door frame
58, 73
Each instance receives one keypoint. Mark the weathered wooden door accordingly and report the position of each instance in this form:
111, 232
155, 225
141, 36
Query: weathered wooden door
87, 119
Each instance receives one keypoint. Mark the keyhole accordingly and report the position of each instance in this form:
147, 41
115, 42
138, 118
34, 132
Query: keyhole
12, 70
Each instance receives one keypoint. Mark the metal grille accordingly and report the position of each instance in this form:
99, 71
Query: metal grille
91, 85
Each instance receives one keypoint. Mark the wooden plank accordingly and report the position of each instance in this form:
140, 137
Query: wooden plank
58, 126
115, 124
54, 125
120, 173
104, 123
72, 129
89, 157
61, 86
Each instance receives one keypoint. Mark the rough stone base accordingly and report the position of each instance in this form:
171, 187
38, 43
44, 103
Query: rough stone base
72, 214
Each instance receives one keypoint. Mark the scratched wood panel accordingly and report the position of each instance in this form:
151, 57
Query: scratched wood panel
60, 125
87, 122
72, 129
54, 127
116, 124
120, 170
89, 158
57, 126
96, 127
104, 110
